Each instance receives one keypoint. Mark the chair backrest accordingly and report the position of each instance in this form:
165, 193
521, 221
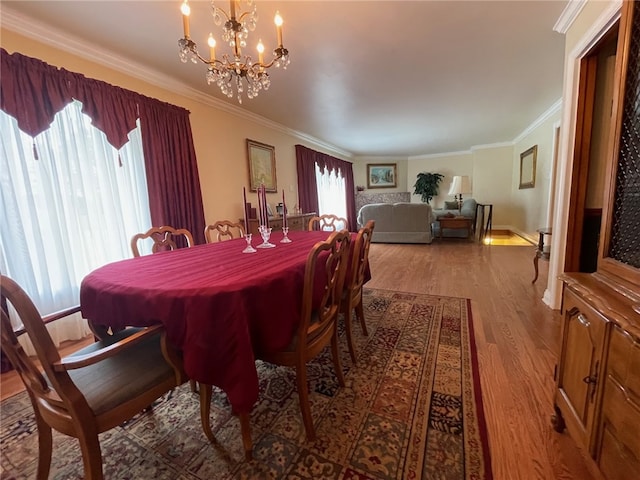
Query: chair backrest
223, 230
360, 258
64, 398
164, 238
324, 276
328, 222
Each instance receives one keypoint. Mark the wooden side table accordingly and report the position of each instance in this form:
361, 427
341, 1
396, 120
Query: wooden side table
540, 251
455, 223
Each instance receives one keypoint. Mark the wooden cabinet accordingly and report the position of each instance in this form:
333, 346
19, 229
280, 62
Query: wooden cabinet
598, 373
580, 364
295, 222
618, 442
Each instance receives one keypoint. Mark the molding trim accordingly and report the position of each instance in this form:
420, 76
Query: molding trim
492, 145
569, 15
555, 108
439, 155
30, 28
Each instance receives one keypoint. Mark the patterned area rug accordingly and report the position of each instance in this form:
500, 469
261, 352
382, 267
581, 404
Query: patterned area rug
411, 409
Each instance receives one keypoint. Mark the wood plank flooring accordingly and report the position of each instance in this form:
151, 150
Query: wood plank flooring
517, 339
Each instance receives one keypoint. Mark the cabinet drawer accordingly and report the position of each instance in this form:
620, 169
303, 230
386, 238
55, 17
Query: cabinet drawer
619, 457
275, 224
624, 363
296, 223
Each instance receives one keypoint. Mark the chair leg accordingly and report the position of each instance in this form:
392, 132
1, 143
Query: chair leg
360, 315
45, 446
205, 410
347, 326
245, 428
335, 354
194, 386
91, 456
303, 395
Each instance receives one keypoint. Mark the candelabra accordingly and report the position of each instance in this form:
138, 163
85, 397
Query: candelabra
232, 71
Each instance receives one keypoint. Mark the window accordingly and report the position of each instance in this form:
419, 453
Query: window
70, 202
332, 198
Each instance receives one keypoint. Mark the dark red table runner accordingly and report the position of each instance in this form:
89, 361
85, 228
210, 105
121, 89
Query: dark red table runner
215, 302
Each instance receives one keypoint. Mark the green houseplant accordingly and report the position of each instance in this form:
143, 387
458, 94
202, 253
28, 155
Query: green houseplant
427, 185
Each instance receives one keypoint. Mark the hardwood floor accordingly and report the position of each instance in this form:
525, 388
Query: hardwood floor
517, 339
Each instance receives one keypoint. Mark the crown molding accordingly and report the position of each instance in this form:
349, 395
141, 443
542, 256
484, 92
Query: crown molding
30, 28
555, 108
568, 15
440, 155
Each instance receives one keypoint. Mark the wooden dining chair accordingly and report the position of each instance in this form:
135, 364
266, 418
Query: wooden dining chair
164, 238
354, 284
91, 391
223, 230
327, 262
327, 222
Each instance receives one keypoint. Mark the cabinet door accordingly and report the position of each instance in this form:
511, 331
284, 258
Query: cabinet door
580, 368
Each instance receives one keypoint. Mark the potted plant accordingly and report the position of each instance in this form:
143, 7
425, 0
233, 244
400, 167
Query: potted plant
427, 185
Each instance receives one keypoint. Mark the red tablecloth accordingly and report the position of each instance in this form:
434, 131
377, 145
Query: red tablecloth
215, 302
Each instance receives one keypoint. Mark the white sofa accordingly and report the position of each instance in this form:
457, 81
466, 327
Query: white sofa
399, 222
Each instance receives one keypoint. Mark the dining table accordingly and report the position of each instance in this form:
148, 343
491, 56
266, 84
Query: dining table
221, 307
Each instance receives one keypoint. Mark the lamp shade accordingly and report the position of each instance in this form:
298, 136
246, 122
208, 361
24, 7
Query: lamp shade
460, 184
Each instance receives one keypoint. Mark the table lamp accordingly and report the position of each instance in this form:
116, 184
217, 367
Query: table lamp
459, 185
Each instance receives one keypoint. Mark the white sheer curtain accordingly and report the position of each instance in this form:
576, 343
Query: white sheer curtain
68, 211
332, 193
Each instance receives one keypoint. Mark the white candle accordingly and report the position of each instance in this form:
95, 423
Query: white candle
212, 48
278, 21
186, 10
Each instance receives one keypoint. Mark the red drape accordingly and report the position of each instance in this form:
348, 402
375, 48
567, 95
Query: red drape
33, 91
306, 160
170, 163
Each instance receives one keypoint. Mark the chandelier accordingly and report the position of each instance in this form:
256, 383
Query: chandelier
233, 71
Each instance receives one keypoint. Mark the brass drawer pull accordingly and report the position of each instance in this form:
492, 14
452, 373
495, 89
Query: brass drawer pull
589, 379
583, 320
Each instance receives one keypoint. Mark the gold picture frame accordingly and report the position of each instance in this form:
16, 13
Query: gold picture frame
262, 166
382, 175
528, 160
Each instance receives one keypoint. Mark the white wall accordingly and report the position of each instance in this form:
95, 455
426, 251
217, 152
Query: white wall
447, 165
529, 205
360, 172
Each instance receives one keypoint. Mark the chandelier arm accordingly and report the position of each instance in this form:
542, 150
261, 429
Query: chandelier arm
214, 8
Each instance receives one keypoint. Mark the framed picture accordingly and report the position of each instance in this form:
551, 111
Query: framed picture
528, 168
381, 175
262, 166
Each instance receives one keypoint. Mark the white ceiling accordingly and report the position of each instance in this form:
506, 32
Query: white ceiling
372, 78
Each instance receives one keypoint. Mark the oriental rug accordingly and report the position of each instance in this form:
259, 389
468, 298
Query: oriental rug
411, 409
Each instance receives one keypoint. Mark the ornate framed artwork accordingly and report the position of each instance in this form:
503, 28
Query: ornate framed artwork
528, 168
262, 166
381, 175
